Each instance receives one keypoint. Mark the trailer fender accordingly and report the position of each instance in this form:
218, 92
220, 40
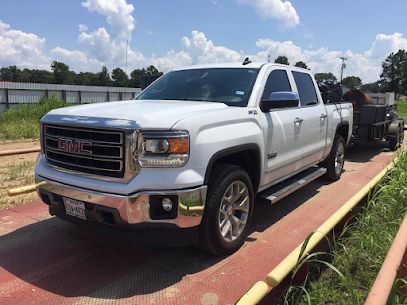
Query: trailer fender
395, 128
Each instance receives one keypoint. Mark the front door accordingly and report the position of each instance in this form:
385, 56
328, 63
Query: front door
283, 142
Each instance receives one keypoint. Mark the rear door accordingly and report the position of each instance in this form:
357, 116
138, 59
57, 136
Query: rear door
283, 142
314, 119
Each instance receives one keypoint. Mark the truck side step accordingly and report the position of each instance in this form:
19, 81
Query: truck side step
286, 187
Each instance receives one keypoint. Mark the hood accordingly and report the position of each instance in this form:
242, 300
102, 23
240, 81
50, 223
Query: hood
147, 113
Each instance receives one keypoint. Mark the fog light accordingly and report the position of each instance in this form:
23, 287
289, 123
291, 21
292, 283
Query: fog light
166, 204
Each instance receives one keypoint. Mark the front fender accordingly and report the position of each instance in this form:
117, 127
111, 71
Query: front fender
219, 132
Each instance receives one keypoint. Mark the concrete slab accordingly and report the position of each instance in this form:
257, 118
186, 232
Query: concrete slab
44, 260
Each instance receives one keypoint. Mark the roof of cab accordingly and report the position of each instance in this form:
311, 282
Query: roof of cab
253, 65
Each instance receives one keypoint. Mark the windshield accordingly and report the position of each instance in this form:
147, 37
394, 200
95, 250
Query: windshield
231, 86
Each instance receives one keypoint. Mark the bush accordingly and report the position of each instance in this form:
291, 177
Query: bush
23, 122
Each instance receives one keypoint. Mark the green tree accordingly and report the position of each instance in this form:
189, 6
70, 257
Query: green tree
324, 76
120, 78
104, 77
371, 87
301, 64
9, 74
394, 75
40, 76
352, 82
153, 71
137, 76
87, 79
62, 74
282, 60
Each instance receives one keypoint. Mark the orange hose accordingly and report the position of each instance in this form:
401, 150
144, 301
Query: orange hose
19, 151
383, 284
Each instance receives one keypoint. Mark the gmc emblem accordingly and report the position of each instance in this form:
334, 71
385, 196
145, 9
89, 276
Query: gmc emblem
74, 146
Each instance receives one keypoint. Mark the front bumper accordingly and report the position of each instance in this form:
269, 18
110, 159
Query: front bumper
135, 209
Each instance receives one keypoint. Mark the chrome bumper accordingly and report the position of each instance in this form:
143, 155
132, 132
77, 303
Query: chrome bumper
131, 209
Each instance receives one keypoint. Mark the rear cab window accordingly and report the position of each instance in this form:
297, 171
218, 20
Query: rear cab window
306, 89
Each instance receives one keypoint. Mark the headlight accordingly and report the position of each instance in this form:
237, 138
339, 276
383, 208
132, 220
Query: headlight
164, 149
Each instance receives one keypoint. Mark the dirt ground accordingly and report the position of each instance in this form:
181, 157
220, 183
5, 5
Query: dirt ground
16, 171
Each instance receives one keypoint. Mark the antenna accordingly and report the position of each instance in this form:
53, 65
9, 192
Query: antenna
127, 47
246, 61
343, 66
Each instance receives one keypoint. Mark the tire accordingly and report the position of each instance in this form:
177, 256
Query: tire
336, 159
397, 139
219, 212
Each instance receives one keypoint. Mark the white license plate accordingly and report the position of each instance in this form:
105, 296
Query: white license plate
74, 207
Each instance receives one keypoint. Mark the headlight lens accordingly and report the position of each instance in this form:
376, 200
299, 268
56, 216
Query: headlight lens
157, 146
164, 149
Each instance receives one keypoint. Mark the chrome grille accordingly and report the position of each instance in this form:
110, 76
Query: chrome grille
88, 150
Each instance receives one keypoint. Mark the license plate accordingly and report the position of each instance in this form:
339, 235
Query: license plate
74, 207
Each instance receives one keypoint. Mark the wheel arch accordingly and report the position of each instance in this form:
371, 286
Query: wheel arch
342, 129
247, 156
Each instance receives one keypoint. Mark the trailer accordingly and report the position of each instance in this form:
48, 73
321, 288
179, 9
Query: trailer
375, 119
375, 116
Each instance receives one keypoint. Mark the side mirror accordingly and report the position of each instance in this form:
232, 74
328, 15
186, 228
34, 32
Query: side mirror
283, 99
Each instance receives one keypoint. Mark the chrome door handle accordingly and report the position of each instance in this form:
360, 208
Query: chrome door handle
298, 121
323, 116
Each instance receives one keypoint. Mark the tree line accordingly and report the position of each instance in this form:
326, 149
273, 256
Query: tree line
392, 79
61, 74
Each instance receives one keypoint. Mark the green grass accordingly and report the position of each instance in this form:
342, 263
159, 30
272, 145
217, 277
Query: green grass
402, 107
20, 171
357, 256
23, 122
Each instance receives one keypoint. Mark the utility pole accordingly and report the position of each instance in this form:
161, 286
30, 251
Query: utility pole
343, 66
268, 58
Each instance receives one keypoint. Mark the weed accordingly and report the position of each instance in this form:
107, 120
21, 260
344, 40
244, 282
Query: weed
21, 171
357, 254
23, 122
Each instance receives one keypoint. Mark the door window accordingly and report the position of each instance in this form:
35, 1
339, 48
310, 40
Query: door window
276, 82
306, 89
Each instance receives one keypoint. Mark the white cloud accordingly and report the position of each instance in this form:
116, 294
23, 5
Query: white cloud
110, 45
366, 65
22, 49
385, 44
202, 50
280, 10
118, 15
172, 60
98, 43
76, 60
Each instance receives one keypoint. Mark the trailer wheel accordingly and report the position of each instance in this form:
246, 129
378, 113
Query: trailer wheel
228, 210
396, 136
335, 161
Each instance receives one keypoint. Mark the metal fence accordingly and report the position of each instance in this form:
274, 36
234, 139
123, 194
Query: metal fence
15, 94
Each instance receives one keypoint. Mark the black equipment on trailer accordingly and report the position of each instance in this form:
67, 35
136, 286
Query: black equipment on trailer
376, 123
371, 123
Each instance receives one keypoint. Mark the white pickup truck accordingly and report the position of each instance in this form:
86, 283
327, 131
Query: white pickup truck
193, 150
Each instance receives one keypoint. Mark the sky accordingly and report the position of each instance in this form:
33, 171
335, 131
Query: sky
89, 34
